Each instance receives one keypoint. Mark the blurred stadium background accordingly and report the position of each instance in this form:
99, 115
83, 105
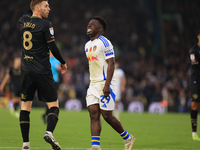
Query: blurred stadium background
151, 39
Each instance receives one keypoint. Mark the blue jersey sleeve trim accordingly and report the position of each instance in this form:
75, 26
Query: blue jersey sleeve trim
105, 42
108, 54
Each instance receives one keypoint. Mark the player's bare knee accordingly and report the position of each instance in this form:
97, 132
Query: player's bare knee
26, 105
94, 115
94, 112
107, 116
53, 104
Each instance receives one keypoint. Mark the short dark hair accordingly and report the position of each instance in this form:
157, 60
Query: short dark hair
198, 32
102, 21
35, 2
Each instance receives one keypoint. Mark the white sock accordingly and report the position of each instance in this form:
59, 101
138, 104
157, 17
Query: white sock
129, 137
26, 144
194, 133
49, 132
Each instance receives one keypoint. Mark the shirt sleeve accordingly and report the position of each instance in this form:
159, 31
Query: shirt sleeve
49, 32
55, 51
194, 57
108, 50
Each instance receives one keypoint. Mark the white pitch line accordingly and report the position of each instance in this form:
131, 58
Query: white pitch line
87, 148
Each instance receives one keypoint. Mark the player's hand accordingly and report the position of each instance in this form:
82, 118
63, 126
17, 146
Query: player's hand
63, 68
106, 90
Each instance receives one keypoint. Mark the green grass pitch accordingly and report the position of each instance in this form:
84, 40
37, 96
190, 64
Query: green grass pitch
170, 131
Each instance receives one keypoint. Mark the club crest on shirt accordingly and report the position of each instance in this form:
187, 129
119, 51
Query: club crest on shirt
51, 31
195, 96
94, 48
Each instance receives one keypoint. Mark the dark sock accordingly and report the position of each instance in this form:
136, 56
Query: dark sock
52, 118
193, 114
15, 106
25, 124
47, 111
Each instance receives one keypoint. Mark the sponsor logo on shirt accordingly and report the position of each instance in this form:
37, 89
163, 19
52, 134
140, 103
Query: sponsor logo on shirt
109, 52
92, 58
28, 57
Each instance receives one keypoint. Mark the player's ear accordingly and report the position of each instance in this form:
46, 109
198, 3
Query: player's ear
100, 29
37, 7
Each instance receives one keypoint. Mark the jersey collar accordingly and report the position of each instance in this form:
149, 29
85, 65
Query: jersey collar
34, 17
98, 37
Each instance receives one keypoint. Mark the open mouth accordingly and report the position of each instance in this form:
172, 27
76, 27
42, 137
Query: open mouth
89, 30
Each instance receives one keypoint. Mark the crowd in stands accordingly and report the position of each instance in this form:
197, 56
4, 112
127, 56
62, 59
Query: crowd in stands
151, 41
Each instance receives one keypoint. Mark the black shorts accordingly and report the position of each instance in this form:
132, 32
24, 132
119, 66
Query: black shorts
57, 85
195, 92
43, 83
15, 90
